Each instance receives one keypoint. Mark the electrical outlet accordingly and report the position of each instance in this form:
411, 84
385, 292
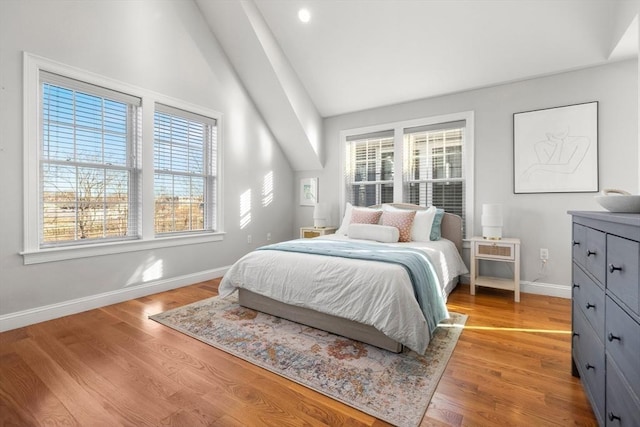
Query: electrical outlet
268, 236
248, 238
544, 254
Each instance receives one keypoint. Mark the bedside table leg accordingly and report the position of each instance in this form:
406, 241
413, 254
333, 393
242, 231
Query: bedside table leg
473, 275
516, 273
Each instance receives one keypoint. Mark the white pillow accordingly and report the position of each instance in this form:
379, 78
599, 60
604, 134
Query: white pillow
379, 233
346, 220
421, 228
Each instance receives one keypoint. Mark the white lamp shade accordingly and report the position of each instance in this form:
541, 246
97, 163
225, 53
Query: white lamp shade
492, 221
320, 214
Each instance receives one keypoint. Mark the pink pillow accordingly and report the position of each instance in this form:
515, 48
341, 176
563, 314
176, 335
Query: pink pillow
365, 216
403, 221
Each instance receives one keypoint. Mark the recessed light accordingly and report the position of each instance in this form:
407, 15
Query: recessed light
304, 15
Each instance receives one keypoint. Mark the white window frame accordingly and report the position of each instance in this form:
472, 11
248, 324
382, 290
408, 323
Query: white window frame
209, 172
32, 253
398, 132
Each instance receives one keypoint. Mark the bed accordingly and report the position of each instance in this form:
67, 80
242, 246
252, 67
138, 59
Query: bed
366, 300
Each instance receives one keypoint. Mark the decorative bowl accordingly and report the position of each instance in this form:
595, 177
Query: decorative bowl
620, 203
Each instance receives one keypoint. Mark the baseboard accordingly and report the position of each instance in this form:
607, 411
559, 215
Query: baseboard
548, 289
538, 288
40, 314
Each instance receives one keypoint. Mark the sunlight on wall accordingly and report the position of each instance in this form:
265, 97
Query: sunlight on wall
152, 269
267, 189
266, 145
245, 209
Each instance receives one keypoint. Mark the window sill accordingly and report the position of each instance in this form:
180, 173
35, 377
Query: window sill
86, 251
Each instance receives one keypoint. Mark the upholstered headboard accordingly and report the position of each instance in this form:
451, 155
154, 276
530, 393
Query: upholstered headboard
451, 227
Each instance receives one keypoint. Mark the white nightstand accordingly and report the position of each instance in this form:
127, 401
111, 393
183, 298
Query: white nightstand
503, 250
309, 232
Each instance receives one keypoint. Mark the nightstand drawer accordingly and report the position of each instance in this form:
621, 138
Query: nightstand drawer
622, 342
494, 250
623, 277
588, 297
311, 232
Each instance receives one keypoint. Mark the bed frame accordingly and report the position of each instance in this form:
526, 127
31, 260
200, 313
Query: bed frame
451, 229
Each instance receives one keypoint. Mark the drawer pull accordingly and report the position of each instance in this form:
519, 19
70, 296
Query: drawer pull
575, 243
589, 305
575, 334
575, 285
589, 253
613, 268
612, 337
588, 366
613, 416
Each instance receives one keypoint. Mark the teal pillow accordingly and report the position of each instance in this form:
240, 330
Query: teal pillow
435, 227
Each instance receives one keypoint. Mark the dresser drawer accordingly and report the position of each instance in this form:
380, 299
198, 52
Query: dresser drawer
588, 297
623, 343
588, 353
623, 278
579, 244
623, 407
596, 254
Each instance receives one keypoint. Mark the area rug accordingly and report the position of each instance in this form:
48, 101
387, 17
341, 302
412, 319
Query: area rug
396, 388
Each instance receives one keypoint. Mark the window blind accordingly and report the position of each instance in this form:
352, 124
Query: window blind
185, 153
370, 171
89, 172
435, 171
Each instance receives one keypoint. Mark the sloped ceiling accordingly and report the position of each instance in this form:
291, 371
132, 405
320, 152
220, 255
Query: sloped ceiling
359, 54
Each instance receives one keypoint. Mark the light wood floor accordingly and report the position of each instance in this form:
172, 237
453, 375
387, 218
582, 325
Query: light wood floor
113, 366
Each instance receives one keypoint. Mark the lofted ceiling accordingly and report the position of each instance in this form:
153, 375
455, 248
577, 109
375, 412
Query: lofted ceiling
360, 54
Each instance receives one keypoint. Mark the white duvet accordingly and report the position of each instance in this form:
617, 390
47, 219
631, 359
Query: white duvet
374, 293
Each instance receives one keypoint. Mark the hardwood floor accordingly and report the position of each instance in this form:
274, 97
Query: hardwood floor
112, 366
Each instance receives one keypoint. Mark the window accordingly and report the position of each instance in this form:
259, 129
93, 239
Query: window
89, 173
424, 162
371, 168
434, 173
184, 163
112, 168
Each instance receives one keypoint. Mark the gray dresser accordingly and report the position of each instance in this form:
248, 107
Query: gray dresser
606, 313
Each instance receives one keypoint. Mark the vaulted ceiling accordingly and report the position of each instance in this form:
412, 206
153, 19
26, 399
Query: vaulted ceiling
358, 54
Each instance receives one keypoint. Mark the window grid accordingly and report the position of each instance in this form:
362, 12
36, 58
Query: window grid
184, 180
88, 185
435, 173
370, 171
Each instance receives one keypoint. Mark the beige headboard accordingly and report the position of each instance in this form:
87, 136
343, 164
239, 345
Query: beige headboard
451, 227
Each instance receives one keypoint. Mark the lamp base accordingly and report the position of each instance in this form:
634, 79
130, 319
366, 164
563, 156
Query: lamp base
492, 233
319, 223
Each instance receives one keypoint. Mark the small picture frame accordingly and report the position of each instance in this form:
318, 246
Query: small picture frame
555, 150
308, 191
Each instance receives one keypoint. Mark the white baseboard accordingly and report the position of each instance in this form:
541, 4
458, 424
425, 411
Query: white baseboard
538, 288
40, 314
548, 289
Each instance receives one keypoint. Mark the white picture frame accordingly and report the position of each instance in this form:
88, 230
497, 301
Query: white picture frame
308, 191
555, 150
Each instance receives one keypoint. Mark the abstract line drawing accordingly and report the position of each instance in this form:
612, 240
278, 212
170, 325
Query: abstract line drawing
555, 149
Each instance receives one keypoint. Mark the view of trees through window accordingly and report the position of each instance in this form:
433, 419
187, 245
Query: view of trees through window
86, 166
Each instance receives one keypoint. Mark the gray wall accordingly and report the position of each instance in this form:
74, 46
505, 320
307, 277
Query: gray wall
539, 220
164, 46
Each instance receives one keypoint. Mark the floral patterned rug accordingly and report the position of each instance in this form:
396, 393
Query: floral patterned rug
395, 388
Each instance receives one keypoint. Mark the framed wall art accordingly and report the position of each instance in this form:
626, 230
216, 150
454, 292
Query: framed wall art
308, 191
555, 150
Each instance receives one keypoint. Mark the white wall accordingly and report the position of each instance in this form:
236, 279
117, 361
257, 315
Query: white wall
164, 46
539, 220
